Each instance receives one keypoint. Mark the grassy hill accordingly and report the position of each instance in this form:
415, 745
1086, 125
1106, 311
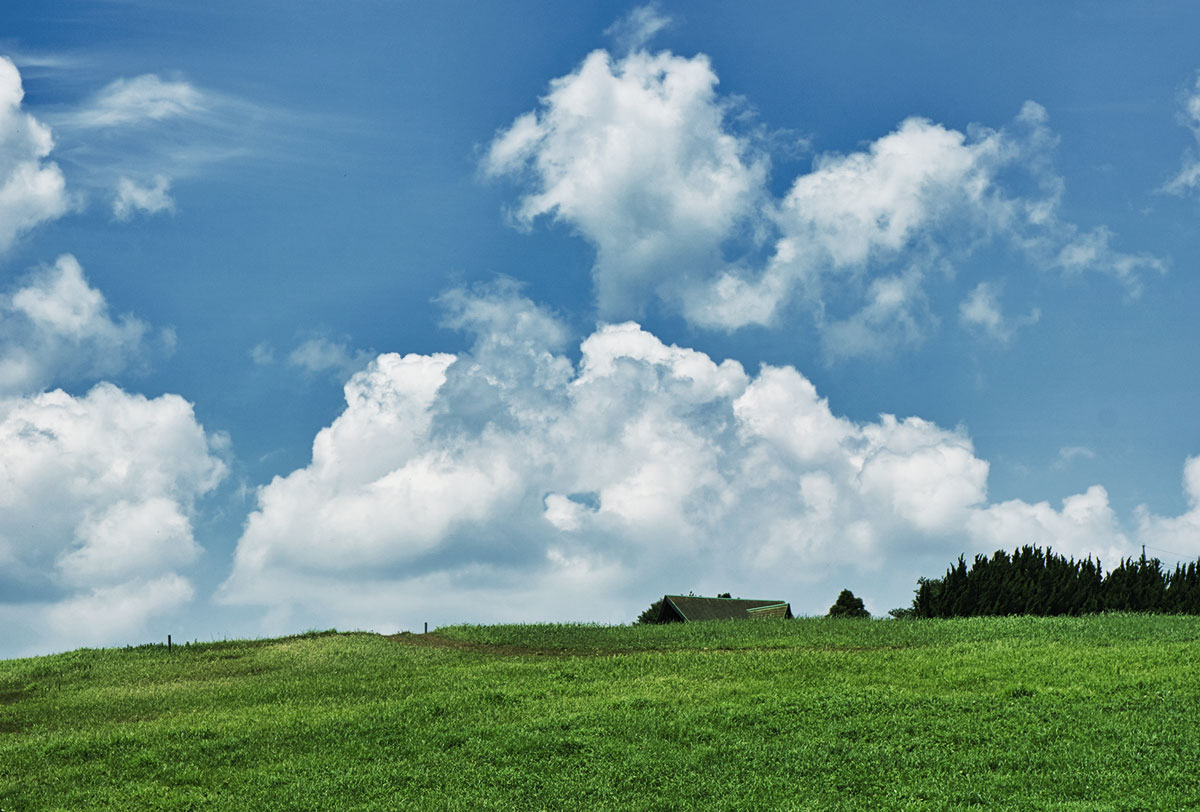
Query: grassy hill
1091, 713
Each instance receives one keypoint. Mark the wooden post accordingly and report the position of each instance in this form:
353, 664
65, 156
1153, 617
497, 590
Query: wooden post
427, 627
168, 644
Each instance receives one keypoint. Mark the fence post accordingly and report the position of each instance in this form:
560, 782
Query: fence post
168, 644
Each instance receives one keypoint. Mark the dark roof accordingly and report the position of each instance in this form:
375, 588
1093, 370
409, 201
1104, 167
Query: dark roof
692, 607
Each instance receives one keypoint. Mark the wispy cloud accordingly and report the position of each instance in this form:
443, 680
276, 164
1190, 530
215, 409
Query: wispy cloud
638, 27
317, 355
322, 356
262, 354
981, 312
41, 61
126, 102
1071, 453
1188, 176
132, 197
135, 137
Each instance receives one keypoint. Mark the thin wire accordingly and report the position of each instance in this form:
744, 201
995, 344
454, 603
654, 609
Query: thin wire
1163, 550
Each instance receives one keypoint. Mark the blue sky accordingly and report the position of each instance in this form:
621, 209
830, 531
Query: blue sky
371, 314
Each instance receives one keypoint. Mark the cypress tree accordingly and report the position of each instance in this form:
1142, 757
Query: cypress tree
1041, 582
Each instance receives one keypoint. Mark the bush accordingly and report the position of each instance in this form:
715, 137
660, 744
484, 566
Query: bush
847, 605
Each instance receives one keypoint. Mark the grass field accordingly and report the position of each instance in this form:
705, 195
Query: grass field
1093, 713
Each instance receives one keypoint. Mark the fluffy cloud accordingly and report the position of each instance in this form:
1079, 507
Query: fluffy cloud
56, 327
510, 479
635, 155
860, 233
32, 190
96, 498
638, 155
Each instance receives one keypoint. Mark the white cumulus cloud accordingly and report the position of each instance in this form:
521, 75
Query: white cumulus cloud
32, 189
634, 154
56, 327
1084, 526
96, 498
507, 478
860, 233
638, 154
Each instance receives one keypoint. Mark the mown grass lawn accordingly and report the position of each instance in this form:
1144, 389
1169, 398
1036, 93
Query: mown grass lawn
1095, 713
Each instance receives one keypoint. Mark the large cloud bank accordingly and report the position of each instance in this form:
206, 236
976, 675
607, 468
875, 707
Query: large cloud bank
639, 156
508, 483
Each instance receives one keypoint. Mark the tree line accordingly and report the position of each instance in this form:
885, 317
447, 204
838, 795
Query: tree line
1032, 581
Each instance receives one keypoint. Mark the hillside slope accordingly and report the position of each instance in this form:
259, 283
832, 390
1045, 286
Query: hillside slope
1092, 713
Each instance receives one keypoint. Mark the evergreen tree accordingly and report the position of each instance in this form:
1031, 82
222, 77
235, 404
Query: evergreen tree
1032, 581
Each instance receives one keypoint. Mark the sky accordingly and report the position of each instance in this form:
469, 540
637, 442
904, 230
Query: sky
369, 315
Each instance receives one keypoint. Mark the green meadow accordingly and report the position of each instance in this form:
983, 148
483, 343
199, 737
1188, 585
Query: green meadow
1086, 713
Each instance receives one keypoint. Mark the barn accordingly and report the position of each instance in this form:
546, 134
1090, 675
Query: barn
682, 608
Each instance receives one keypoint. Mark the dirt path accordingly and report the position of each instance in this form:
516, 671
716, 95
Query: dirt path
435, 640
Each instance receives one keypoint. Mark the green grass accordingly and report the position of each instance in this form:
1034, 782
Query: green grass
1095, 713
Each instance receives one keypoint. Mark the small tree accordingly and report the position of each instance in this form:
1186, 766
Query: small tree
651, 614
847, 605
